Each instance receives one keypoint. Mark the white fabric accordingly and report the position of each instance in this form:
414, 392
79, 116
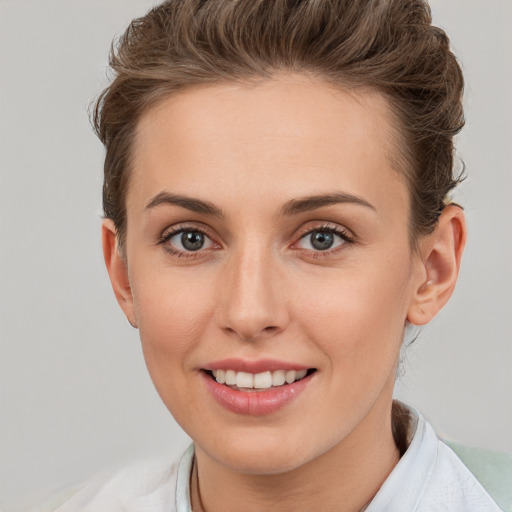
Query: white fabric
428, 478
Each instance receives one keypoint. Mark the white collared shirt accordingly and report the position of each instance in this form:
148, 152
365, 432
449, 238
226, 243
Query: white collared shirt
428, 478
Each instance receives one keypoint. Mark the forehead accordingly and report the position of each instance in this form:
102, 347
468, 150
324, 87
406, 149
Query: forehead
291, 130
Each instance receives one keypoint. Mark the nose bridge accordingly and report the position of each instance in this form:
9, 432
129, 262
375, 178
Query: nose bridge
251, 305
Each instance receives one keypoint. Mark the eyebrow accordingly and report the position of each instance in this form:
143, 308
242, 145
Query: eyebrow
306, 204
292, 207
190, 203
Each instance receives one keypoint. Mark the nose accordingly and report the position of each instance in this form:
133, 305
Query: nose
252, 302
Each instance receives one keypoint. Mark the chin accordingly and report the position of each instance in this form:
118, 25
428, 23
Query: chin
260, 455
263, 463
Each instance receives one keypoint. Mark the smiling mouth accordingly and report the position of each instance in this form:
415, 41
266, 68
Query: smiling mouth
244, 381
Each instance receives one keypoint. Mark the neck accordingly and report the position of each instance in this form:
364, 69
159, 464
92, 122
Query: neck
346, 478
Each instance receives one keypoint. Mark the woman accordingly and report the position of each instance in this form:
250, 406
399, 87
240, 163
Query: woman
277, 213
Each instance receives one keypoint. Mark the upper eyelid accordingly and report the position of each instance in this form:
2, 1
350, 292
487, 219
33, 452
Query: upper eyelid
327, 226
185, 226
170, 232
304, 230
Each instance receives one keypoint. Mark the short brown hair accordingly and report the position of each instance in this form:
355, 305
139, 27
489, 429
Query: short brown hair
386, 45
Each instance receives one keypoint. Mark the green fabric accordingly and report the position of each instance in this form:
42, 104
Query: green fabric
492, 469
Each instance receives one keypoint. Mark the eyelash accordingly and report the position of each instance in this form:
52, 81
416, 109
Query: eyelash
326, 228
168, 235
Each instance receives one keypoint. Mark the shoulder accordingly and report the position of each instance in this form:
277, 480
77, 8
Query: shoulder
452, 486
145, 485
431, 477
491, 468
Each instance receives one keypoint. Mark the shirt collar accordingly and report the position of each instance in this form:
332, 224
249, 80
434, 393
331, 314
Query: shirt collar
183, 481
406, 484
402, 490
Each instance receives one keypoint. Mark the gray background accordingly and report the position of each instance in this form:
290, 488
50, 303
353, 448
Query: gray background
75, 397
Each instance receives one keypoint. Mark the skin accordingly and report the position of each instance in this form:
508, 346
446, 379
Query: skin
259, 289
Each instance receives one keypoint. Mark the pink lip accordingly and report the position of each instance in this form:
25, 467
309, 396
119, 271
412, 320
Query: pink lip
262, 365
255, 403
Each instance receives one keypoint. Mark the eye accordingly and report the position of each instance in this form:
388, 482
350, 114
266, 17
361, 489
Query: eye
187, 240
322, 239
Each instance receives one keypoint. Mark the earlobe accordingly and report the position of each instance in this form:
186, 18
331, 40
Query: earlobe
117, 270
441, 254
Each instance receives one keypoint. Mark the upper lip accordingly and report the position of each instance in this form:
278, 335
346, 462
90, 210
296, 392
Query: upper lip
258, 366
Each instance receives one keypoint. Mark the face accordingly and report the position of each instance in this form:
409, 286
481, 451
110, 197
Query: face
267, 246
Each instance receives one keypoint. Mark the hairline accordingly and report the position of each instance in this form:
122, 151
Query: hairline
399, 158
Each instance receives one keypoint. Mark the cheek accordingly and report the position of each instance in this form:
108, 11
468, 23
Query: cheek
173, 317
357, 315
172, 314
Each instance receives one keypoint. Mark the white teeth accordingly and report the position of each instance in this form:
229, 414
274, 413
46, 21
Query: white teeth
220, 375
290, 376
244, 380
263, 380
301, 374
230, 377
278, 378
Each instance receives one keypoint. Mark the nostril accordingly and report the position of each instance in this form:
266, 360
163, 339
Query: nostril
253, 334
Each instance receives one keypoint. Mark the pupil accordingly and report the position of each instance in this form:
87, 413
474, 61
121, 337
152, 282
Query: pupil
192, 240
322, 240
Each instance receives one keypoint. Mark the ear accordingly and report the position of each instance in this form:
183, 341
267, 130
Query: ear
441, 254
117, 270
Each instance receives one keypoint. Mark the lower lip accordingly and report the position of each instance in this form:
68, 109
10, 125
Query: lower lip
255, 403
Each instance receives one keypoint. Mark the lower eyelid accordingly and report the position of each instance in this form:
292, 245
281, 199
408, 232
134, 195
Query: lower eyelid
343, 235
331, 249
343, 238
208, 242
169, 233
